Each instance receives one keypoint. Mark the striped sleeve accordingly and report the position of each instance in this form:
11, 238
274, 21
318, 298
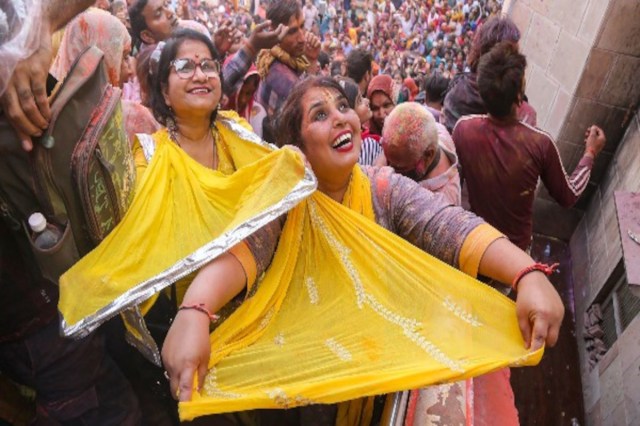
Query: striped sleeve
370, 150
564, 188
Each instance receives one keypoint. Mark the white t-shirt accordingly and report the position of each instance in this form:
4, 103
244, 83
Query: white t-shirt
310, 14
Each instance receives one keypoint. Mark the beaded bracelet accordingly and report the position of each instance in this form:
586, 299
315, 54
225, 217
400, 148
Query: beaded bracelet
545, 269
200, 308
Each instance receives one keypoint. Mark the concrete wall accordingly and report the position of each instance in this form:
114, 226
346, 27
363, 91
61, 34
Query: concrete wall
584, 68
557, 36
583, 56
612, 389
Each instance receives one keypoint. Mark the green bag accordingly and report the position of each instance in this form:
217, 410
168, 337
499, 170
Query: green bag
81, 174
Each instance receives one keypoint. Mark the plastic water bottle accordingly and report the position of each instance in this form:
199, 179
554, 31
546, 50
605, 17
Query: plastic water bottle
45, 235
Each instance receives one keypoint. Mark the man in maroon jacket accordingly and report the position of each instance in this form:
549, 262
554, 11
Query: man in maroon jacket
501, 161
502, 158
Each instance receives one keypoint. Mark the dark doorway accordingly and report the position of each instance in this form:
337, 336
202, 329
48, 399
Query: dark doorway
551, 393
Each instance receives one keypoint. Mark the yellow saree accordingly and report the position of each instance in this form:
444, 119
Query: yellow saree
183, 215
348, 309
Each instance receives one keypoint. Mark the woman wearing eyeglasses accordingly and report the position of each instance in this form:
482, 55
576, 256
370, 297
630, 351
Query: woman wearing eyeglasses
203, 223
185, 97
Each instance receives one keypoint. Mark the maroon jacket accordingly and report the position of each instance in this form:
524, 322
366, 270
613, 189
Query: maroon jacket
501, 162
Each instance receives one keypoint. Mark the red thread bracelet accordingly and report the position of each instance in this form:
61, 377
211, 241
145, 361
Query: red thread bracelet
545, 269
200, 308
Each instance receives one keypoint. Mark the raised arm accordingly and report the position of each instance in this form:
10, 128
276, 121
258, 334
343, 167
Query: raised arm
567, 189
465, 241
262, 37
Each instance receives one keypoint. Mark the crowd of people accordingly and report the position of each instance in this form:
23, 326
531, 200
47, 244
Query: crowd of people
405, 39
383, 111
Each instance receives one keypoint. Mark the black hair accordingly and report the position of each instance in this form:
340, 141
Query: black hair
493, 31
500, 77
336, 68
323, 59
288, 123
358, 63
281, 11
136, 19
350, 88
436, 87
158, 105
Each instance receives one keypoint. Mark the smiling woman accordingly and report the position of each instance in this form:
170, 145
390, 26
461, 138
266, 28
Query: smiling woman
204, 217
317, 119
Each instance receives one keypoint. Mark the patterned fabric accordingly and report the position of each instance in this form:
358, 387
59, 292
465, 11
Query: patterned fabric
463, 98
389, 341
99, 28
275, 88
370, 150
237, 199
267, 57
137, 119
234, 70
420, 217
95, 27
501, 162
261, 244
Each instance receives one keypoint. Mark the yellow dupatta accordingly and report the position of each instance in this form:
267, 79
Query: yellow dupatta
183, 215
348, 309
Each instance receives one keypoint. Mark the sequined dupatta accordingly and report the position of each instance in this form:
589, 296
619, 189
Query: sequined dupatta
348, 309
183, 215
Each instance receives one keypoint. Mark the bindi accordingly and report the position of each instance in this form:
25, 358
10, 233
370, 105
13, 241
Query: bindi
329, 96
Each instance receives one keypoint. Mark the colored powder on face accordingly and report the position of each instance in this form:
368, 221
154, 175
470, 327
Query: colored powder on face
329, 96
409, 129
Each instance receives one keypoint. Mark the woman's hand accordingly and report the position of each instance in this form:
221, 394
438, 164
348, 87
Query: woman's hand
539, 310
538, 306
186, 352
187, 348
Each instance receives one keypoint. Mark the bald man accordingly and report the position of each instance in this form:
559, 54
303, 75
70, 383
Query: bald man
421, 149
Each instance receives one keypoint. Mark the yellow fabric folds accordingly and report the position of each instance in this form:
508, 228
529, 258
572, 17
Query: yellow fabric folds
347, 309
180, 206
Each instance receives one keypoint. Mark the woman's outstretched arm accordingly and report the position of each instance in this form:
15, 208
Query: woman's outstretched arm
538, 304
186, 348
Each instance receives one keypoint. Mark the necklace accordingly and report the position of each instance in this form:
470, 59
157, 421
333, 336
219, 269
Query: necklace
211, 135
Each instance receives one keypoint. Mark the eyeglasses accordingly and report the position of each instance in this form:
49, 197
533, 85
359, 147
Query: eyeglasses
186, 67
